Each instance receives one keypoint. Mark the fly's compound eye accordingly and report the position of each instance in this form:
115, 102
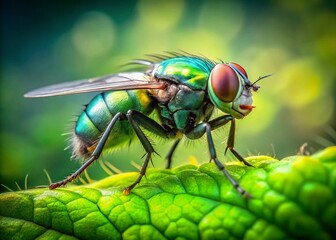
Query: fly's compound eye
224, 82
240, 68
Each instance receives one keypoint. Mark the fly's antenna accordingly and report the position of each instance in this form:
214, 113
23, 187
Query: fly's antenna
266, 76
254, 86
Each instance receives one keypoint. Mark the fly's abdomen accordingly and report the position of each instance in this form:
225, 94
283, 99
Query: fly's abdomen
99, 112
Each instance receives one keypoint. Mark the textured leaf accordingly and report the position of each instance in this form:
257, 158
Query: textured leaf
292, 198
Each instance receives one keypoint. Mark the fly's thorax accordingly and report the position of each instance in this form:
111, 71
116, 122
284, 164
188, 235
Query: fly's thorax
230, 91
189, 71
180, 106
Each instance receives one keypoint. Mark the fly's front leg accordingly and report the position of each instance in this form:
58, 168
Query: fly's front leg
221, 121
205, 128
95, 154
230, 143
137, 119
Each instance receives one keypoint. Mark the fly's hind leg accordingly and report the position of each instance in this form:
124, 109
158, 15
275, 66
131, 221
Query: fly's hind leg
137, 119
94, 156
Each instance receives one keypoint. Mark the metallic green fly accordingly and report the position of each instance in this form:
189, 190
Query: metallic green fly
184, 89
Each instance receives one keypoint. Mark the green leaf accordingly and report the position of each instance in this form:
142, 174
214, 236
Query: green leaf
292, 198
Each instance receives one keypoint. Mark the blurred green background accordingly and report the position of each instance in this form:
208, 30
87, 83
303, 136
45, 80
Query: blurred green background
46, 42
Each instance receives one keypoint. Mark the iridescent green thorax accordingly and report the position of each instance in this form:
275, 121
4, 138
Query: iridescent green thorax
190, 71
184, 102
185, 109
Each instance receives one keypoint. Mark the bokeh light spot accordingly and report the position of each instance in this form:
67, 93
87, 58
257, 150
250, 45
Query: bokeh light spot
299, 83
93, 35
211, 43
160, 15
224, 18
261, 61
315, 115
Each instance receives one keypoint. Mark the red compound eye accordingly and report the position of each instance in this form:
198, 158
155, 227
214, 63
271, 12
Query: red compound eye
224, 82
240, 68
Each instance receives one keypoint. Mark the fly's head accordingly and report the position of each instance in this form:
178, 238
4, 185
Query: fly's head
230, 90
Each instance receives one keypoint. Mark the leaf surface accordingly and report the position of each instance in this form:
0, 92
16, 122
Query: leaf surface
294, 198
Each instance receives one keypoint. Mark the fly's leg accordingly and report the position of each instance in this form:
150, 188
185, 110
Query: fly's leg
135, 119
230, 143
205, 128
171, 152
95, 154
221, 121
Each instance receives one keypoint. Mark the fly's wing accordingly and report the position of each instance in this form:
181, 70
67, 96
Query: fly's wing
122, 81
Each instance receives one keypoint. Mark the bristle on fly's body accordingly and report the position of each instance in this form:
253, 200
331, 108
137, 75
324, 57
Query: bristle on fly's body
79, 148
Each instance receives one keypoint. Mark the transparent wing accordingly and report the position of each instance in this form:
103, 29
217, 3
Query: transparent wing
121, 81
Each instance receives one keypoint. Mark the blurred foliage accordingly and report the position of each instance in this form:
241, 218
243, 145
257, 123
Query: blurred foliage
46, 42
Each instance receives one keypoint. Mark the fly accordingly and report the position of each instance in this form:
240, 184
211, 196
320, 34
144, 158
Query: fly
183, 88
